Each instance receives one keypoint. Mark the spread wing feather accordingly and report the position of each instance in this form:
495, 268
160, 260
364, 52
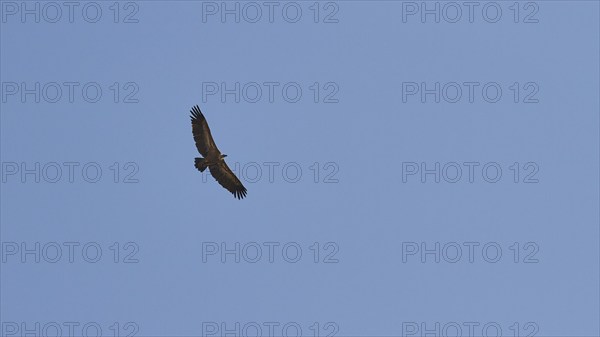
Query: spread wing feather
227, 179
201, 131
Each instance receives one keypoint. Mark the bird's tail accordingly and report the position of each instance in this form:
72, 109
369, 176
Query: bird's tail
200, 165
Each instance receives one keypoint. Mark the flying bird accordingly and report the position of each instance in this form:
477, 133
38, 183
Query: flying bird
213, 158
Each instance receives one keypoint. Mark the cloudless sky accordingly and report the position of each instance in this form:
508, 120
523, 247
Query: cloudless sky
405, 176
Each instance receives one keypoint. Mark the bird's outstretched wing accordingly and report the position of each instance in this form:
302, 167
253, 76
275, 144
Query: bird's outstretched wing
201, 131
227, 179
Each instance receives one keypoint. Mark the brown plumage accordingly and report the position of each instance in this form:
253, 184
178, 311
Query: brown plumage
213, 159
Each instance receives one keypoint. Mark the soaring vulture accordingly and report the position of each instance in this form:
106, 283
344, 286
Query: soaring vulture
213, 159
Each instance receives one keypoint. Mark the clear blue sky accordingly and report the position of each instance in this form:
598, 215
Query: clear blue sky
517, 251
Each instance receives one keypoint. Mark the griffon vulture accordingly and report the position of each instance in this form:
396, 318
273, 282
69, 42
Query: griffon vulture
213, 159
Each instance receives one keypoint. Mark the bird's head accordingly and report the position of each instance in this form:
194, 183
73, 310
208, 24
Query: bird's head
223, 156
